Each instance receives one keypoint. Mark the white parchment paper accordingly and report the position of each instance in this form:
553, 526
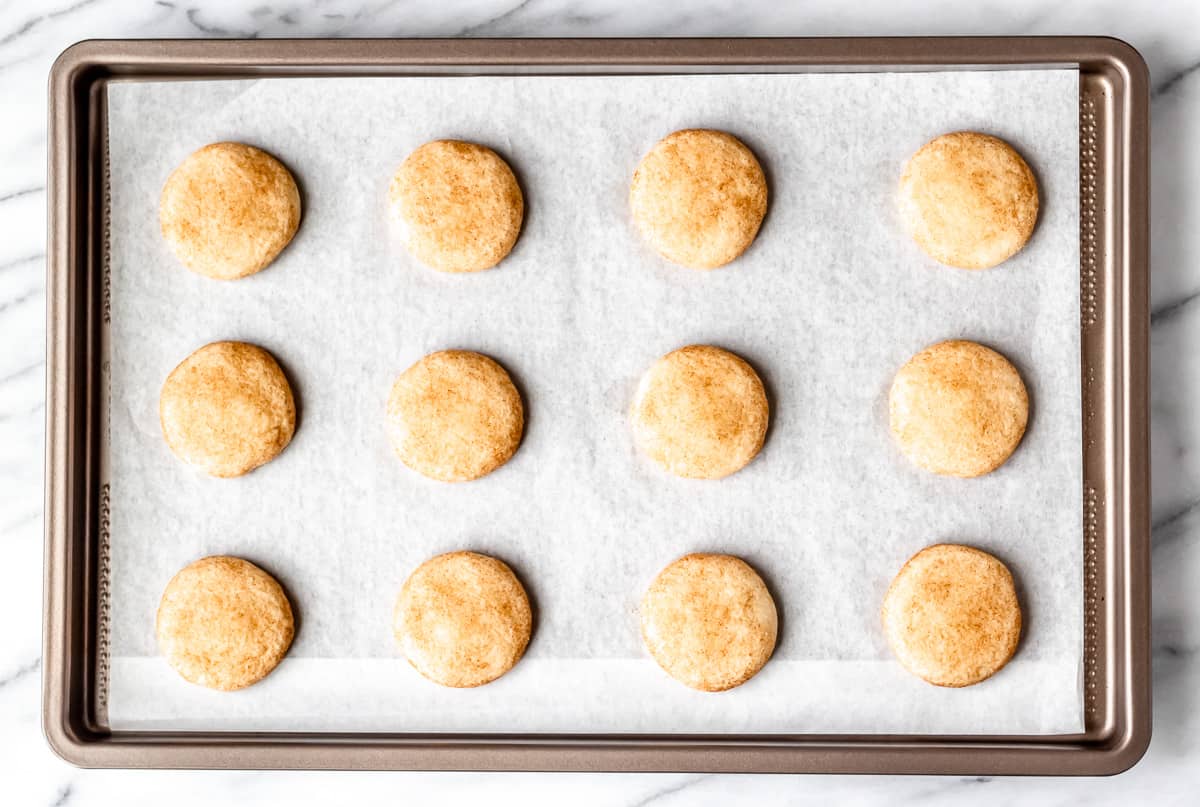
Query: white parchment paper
829, 301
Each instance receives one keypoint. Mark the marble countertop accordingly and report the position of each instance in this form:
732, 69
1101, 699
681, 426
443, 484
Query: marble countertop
33, 33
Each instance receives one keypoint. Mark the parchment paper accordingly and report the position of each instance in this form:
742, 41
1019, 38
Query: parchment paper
829, 301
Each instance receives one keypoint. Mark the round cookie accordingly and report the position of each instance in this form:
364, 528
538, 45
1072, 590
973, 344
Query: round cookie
454, 416
227, 409
462, 619
968, 200
700, 412
709, 621
457, 206
698, 197
958, 408
224, 623
228, 210
951, 615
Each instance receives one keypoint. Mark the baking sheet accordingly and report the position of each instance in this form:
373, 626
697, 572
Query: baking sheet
827, 303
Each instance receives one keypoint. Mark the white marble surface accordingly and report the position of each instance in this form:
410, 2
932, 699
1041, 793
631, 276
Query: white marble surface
32, 33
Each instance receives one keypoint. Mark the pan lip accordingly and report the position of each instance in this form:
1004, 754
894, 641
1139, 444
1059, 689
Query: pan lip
74, 726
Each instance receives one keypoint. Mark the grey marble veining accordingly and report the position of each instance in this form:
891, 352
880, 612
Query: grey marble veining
1168, 34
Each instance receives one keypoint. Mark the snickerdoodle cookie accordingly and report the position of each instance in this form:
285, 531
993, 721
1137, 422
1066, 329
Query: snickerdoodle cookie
228, 210
952, 616
224, 623
700, 412
454, 416
456, 206
969, 200
698, 197
709, 621
958, 409
227, 409
462, 619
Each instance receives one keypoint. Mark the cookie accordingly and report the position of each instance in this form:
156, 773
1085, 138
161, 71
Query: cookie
224, 623
227, 409
709, 621
968, 200
454, 416
456, 206
228, 210
951, 615
958, 409
462, 619
700, 412
698, 197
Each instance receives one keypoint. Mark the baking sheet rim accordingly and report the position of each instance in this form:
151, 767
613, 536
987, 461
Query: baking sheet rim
1118, 744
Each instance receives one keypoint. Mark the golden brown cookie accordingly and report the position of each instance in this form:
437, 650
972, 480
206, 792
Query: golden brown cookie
457, 206
228, 210
968, 200
698, 197
700, 412
224, 623
709, 621
958, 409
952, 616
455, 416
463, 619
227, 409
